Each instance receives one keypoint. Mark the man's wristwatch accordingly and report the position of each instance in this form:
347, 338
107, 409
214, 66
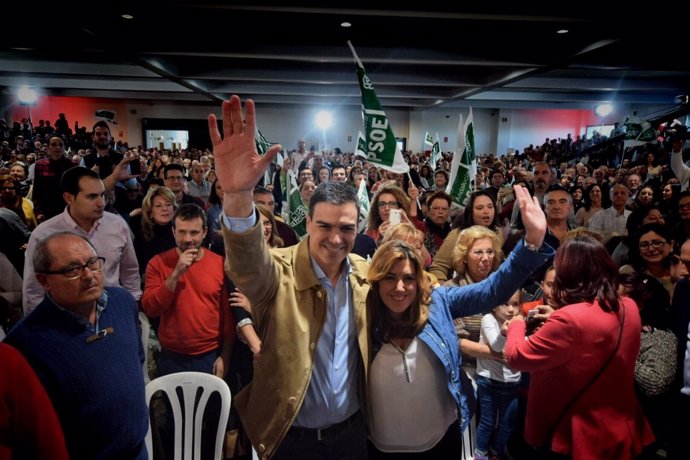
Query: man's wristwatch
530, 246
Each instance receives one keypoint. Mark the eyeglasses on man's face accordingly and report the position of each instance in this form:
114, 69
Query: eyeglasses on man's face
94, 264
389, 204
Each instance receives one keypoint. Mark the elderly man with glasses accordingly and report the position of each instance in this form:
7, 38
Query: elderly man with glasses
83, 342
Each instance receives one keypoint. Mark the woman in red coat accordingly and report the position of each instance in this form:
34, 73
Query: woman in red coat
572, 407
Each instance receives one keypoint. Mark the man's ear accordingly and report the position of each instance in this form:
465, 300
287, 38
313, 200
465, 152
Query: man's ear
43, 279
68, 197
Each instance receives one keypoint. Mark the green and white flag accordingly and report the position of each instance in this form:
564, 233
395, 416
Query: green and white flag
361, 150
363, 198
296, 213
459, 184
428, 141
262, 146
469, 136
381, 145
435, 153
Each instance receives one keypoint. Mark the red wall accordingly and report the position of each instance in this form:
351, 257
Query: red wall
76, 109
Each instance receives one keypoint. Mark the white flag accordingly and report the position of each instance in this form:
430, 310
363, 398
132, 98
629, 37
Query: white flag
363, 198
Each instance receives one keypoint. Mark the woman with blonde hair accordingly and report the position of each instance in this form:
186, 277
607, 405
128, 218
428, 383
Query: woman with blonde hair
411, 235
152, 228
415, 343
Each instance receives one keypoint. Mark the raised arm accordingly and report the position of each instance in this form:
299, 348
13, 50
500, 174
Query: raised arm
238, 165
533, 217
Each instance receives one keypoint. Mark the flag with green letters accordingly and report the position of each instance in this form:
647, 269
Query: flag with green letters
381, 145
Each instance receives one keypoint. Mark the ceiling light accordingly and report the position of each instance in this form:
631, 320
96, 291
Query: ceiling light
345, 24
562, 31
126, 16
603, 110
324, 119
27, 96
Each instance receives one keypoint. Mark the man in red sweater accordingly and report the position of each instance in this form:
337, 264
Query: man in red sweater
185, 286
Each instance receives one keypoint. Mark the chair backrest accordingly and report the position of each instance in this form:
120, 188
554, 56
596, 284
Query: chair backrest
189, 383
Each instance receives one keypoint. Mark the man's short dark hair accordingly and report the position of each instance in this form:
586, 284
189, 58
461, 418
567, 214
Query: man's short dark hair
259, 190
190, 211
100, 124
172, 167
69, 182
336, 193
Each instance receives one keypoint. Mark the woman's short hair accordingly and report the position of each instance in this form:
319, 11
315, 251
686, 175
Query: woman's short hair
404, 232
578, 279
414, 318
466, 240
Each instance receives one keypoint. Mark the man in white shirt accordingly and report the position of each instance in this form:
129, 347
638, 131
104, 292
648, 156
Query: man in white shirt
85, 214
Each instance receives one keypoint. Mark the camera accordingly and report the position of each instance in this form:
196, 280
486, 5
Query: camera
676, 131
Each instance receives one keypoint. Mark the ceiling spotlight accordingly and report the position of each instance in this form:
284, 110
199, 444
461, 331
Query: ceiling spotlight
324, 119
345, 24
27, 96
562, 31
603, 110
126, 16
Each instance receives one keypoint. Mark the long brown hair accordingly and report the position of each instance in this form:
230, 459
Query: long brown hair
585, 272
386, 256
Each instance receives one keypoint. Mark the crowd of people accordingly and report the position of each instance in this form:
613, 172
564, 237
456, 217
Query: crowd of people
547, 318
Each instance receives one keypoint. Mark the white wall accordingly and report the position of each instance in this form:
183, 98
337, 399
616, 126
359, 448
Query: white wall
496, 130
281, 125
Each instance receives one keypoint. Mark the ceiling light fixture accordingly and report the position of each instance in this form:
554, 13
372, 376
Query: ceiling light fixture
562, 31
345, 24
603, 110
126, 16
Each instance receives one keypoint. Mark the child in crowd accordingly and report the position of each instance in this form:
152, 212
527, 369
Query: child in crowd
497, 384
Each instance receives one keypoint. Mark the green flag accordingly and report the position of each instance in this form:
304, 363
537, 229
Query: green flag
296, 210
435, 153
428, 141
469, 136
262, 144
459, 184
363, 198
381, 145
361, 150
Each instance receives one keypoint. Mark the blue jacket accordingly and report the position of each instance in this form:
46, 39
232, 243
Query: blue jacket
449, 302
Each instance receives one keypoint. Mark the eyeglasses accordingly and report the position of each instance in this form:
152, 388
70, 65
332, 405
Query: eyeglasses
390, 204
490, 253
95, 264
656, 244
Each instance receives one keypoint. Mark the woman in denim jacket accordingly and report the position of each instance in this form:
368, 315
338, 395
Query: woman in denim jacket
417, 406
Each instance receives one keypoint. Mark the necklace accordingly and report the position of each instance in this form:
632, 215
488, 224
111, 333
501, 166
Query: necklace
404, 359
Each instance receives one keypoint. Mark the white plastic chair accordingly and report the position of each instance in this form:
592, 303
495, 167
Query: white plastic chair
190, 382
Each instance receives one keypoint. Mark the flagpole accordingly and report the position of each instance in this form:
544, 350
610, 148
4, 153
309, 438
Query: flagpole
419, 205
354, 53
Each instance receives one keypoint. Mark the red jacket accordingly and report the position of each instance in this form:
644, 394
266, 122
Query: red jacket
562, 357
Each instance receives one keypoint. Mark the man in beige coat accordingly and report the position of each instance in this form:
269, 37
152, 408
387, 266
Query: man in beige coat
307, 399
